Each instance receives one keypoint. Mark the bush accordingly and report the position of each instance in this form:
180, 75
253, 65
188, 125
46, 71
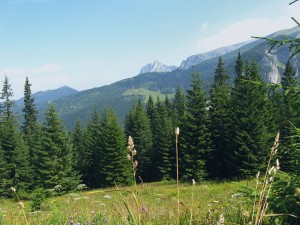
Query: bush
38, 198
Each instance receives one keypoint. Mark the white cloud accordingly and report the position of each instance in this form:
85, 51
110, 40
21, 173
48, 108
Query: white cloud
48, 68
42, 78
243, 30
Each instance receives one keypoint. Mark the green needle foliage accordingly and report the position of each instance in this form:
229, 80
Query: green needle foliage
249, 134
219, 116
196, 143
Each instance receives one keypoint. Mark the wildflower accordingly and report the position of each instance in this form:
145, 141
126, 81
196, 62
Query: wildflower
298, 191
258, 174
13, 189
144, 209
133, 152
71, 220
271, 170
135, 164
245, 214
80, 187
57, 187
130, 142
129, 157
107, 196
21, 204
194, 182
277, 164
221, 220
177, 131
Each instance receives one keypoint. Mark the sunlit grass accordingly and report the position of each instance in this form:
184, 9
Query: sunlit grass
158, 202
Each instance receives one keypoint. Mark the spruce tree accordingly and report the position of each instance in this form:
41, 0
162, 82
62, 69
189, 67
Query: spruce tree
288, 118
15, 165
92, 153
196, 144
179, 119
30, 128
179, 107
78, 148
150, 109
30, 113
162, 143
219, 116
55, 155
249, 121
113, 164
137, 125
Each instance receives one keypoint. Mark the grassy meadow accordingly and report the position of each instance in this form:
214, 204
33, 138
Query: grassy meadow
202, 203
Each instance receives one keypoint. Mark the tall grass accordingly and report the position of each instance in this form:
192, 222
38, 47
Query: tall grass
154, 203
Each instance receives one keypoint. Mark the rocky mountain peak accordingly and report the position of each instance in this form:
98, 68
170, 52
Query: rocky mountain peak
157, 66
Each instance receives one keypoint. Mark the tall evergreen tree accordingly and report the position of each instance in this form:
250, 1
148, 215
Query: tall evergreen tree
162, 142
30, 112
249, 120
196, 144
113, 164
219, 120
179, 105
78, 148
150, 109
31, 129
138, 127
288, 118
55, 155
15, 159
92, 152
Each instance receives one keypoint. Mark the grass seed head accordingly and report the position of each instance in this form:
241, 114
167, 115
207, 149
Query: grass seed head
177, 131
21, 204
13, 189
297, 191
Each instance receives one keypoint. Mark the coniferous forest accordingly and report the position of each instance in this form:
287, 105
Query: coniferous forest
225, 134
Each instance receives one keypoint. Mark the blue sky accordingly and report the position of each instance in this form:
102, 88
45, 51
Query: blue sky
91, 43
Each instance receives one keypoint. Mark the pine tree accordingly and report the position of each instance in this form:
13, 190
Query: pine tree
162, 143
196, 144
30, 128
30, 113
78, 148
179, 118
249, 120
150, 109
92, 152
288, 118
219, 120
55, 155
179, 107
137, 125
14, 154
113, 164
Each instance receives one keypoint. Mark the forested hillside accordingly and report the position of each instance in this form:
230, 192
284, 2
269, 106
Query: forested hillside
122, 95
225, 133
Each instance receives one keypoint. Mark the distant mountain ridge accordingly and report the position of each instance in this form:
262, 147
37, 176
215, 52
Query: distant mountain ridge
157, 66
196, 59
122, 94
43, 98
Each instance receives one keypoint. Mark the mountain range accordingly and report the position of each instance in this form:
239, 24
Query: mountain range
158, 80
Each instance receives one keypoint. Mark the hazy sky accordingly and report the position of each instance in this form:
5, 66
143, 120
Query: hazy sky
91, 43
